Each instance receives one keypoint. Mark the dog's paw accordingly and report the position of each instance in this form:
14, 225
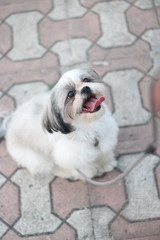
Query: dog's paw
109, 166
71, 175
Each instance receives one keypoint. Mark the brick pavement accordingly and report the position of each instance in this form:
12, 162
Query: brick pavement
39, 40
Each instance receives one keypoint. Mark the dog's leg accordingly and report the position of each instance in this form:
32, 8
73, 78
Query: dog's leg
73, 174
107, 163
69, 174
35, 163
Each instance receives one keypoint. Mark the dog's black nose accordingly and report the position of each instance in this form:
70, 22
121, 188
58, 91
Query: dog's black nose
86, 90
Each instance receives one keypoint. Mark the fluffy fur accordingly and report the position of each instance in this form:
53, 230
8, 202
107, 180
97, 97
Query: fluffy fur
53, 132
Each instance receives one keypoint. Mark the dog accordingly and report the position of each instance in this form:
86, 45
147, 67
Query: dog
67, 128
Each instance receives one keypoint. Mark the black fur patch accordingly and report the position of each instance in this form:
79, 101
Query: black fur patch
55, 123
53, 120
62, 126
48, 126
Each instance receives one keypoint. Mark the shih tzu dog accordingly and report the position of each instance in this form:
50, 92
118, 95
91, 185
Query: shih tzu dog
65, 129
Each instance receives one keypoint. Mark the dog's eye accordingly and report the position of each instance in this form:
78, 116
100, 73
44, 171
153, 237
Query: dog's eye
86, 80
71, 94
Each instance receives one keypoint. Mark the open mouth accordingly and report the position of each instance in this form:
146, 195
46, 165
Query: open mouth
92, 104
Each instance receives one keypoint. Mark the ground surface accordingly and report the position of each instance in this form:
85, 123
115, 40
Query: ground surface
40, 39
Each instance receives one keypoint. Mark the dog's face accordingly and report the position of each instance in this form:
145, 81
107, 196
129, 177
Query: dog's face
78, 98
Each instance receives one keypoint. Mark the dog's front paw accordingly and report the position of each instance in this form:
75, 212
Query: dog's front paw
71, 175
109, 166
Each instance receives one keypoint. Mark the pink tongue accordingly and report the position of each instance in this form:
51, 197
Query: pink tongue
93, 103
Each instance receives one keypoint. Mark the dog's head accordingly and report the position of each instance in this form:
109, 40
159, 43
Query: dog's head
78, 98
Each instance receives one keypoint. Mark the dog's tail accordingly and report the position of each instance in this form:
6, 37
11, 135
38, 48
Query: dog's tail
4, 121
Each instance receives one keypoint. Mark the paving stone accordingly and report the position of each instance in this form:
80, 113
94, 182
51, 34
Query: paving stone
134, 139
158, 14
36, 216
2, 179
6, 104
49, 61
158, 177
153, 38
144, 202
72, 51
157, 121
48, 27
83, 65
64, 232
7, 165
121, 229
131, 1
145, 87
144, 20
90, 30
66, 9
81, 221
157, 3
135, 56
155, 71
120, 36
139, 48
3, 150
24, 92
66, 197
144, 4
126, 97
26, 44
101, 217
12, 235
89, 3
108, 99
3, 228
5, 38
49, 76
147, 238
10, 7
141, 63
72, 28
112, 196
45, 69
9, 210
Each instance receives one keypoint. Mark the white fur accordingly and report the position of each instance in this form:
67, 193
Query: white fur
41, 152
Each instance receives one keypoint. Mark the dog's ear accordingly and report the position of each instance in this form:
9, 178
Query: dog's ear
53, 122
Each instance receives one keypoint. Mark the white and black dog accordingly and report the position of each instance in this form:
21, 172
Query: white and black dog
64, 129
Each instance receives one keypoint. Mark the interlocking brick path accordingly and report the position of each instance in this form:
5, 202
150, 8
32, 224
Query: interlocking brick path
120, 39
